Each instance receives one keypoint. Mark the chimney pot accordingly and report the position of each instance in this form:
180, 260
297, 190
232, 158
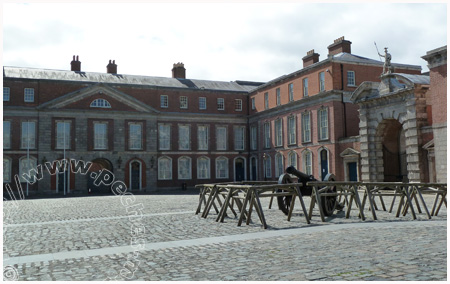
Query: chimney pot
339, 45
310, 58
75, 65
111, 68
178, 71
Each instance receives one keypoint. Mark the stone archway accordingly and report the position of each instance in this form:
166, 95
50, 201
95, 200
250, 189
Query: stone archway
98, 165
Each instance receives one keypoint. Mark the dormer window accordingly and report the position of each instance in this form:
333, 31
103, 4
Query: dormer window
100, 103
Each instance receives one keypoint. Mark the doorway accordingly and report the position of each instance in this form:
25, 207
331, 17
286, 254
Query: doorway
239, 166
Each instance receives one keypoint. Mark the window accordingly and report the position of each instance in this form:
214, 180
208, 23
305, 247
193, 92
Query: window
221, 138
278, 132
267, 135
184, 168
164, 101
63, 135
321, 81
292, 133
28, 135
253, 138
202, 103
291, 92
6, 169
238, 104
351, 78
220, 104
164, 168
25, 165
239, 138
267, 167
253, 104
29, 95
164, 137
307, 162
6, 94
183, 102
184, 137
323, 123
292, 159
221, 167
279, 168
305, 87
100, 103
306, 127
135, 136
100, 136
266, 100
278, 97
203, 168
203, 137
6, 134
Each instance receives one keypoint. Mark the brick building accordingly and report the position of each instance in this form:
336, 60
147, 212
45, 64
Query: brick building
158, 132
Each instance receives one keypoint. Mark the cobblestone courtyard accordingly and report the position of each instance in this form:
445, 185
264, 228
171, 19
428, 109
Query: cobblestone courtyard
96, 238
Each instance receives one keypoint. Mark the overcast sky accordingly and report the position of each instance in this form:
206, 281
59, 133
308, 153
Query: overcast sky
215, 41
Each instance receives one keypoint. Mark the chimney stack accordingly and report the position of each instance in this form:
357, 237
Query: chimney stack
310, 58
75, 65
111, 68
178, 71
339, 45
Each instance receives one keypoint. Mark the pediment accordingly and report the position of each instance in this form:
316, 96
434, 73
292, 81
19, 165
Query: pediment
349, 152
82, 99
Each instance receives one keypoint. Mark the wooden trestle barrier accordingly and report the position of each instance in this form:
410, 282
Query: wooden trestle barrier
246, 195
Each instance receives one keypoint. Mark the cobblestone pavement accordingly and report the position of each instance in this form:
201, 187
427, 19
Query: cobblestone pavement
91, 238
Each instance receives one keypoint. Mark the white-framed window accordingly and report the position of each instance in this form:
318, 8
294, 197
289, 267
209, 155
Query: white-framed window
25, 165
184, 168
202, 103
307, 162
6, 169
164, 168
6, 94
221, 138
238, 104
164, 136
203, 137
306, 127
28, 95
323, 123
164, 101
203, 168
291, 92
100, 135
6, 134
278, 97
321, 81
351, 78
267, 167
221, 167
220, 103
267, 135
63, 134
184, 137
279, 132
135, 136
253, 138
292, 158
28, 135
266, 100
183, 102
279, 165
305, 87
253, 104
239, 137
292, 130
100, 103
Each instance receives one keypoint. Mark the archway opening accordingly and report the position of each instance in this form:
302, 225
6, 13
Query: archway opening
239, 169
98, 165
394, 152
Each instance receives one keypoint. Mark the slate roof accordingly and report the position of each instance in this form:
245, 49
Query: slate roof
66, 75
415, 79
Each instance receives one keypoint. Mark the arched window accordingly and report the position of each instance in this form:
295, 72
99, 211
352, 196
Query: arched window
101, 103
279, 167
164, 168
292, 157
307, 162
203, 168
221, 167
25, 165
267, 167
6, 169
184, 168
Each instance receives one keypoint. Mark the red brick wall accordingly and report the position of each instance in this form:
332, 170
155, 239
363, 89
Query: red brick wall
438, 83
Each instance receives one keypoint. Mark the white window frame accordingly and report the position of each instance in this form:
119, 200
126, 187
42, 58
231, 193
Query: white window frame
253, 137
266, 100
100, 103
307, 162
221, 142
60, 135
131, 139
202, 103
97, 145
28, 95
278, 96
6, 94
220, 104
29, 135
279, 164
182, 141
238, 104
188, 175
220, 168
351, 80
267, 165
291, 92
25, 167
162, 173
321, 81
253, 103
6, 134
267, 135
305, 87
164, 101
279, 132
183, 102
292, 130
203, 168
292, 159
239, 138
322, 119
306, 127
164, 138
6, 169
203, 141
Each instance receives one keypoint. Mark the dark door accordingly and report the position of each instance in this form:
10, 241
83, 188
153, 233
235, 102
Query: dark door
253, 161
135, 175
324, 163
352, 171
240, 170
63, 177
95, 173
